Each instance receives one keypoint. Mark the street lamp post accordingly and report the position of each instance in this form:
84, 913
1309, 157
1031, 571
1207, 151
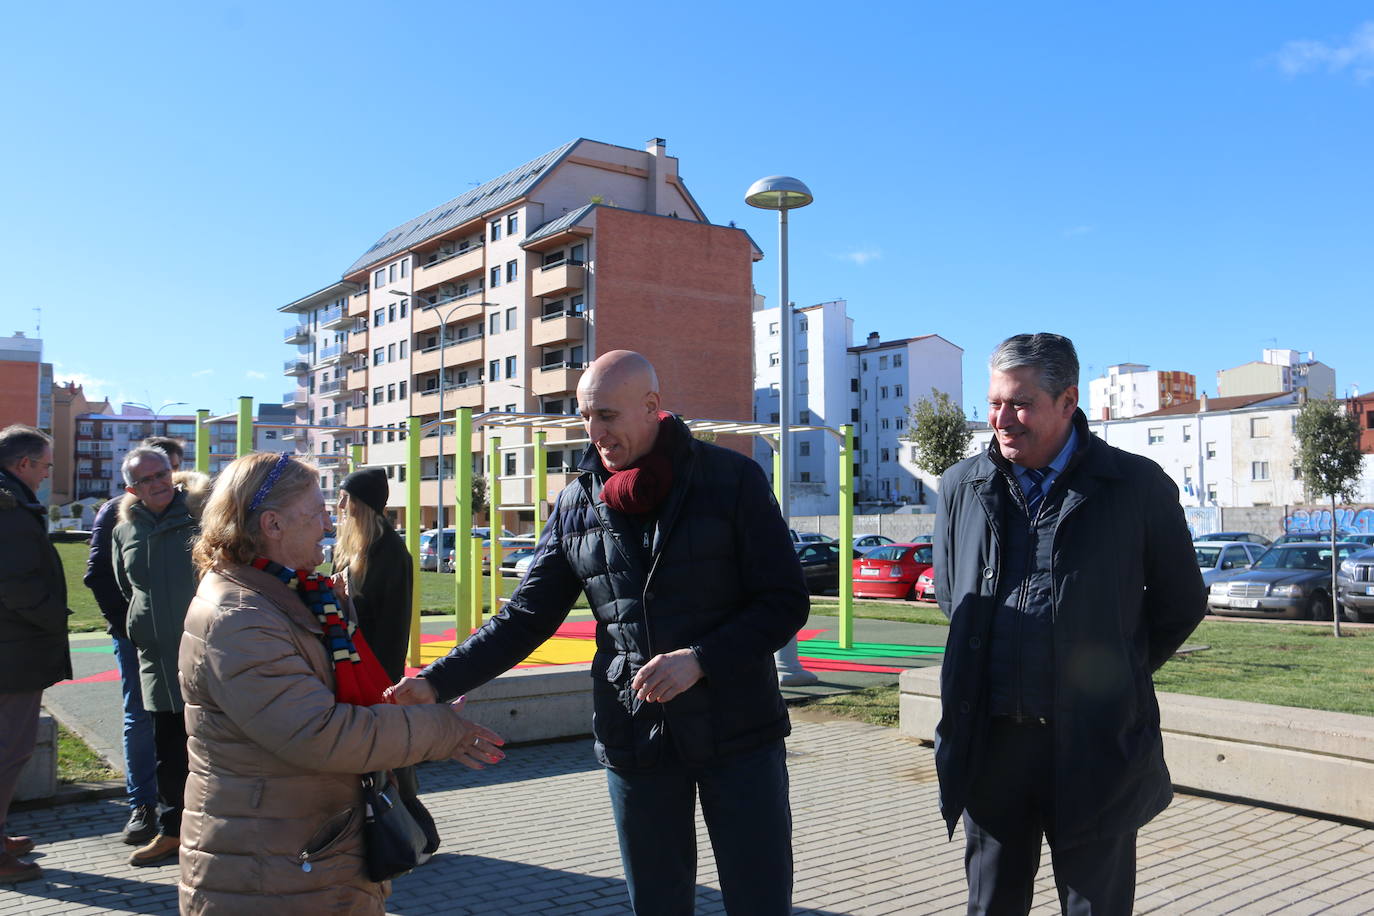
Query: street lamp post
781, 193
443, 348
158, 412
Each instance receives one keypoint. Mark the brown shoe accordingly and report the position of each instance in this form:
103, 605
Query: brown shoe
12, 871
18, 845
160, 850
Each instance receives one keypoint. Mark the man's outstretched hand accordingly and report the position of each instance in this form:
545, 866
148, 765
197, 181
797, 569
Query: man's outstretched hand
410, 691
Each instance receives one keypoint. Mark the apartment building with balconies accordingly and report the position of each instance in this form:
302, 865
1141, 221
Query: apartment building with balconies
319, 395
497, 300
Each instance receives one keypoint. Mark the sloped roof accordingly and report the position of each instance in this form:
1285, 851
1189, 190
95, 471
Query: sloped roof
555, 226
496, 193
859, 348
1214, 404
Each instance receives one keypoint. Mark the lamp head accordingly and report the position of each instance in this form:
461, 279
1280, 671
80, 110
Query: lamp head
778, 192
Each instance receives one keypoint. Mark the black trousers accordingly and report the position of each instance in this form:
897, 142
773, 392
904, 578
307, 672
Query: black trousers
169, 742
1010, 807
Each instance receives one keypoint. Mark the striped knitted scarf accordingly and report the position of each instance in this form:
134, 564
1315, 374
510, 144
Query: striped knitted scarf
358, 676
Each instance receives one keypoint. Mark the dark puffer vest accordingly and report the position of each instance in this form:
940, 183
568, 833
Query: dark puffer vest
719, 575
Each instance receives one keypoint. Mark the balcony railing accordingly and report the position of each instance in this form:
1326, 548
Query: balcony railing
297, 366
333, 351
451, 342
297, 333
439, 257
333, 315
333, 386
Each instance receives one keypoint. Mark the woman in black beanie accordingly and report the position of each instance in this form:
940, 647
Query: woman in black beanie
373, 561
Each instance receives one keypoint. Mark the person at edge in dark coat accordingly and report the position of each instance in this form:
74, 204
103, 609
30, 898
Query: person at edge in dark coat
1066, 569
694, 583
33, 623
140, 754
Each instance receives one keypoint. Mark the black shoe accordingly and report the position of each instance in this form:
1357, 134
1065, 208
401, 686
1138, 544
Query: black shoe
142, 825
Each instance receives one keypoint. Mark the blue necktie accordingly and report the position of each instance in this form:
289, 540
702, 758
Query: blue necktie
1036, 491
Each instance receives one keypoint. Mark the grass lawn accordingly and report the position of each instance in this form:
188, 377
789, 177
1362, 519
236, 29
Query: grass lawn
85, 613
76, 762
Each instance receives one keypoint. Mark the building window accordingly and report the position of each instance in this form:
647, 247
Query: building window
802, 356
882, 362
853, 384
376, 436
402, 393
391, 392
378, 356
772, 329
853, 415
1211, 449
379, 318
494, 370
391, 273
1259, 427
1187, 434
512, 271
510, 319
1155, 434
804, 449
405, 268
379, 279
1211, 493
773, 359
577, 254
802, 386
773, 417
391, 353
802, 325
495, 230
402, 351
901, 422
377, 395
884, 455
804, 417
897, 391
495, 277
494, 323
1259, 470
512, 224
577, 305
510, 367
510, 464
863, 364
883, 423
391, 312
882, 392
896, 360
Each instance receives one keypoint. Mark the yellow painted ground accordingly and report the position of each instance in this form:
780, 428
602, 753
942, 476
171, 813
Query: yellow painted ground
556, 651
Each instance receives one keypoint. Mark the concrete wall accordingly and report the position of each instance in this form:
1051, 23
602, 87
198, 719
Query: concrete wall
1277, 755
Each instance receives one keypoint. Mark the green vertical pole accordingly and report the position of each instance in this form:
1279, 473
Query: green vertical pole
202, 441
355, 457
413, 525
777, 473
494, 520
541, 481
475, 577
846, 635
245, 430
462, 515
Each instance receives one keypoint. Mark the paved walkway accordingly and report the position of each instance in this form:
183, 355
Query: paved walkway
534, 835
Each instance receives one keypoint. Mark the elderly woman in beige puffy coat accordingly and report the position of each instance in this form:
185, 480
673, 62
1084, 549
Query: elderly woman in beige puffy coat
274, 810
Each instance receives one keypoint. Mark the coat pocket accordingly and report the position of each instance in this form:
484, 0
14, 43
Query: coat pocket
328, 837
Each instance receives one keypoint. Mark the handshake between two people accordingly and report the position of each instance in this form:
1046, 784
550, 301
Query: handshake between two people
478, 745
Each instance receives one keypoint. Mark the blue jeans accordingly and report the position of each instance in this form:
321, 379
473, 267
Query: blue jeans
748, 815
140, 757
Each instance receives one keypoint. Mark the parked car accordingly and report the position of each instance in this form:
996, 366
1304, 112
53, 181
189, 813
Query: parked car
924, 589
809, 537
1314, 534
1288, 580
863, 543
891, 571
820, 565
1366, 539
431, 551
1248, 536
508, 546
1355, 586
1220, 560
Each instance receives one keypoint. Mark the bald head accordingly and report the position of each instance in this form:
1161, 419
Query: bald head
618, 400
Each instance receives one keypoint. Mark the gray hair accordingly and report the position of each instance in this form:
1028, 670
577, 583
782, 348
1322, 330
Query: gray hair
18, 441
138, 454
1052, 355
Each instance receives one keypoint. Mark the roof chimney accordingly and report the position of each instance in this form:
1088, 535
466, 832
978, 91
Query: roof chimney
872, 339
1202, 403
658, 174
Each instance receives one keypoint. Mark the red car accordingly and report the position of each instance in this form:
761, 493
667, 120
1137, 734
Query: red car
924, 589
891, 571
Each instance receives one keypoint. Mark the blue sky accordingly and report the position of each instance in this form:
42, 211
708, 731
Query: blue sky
1177, 184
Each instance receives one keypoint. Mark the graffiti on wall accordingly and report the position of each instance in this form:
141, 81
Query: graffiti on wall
1202, 519
1315, 518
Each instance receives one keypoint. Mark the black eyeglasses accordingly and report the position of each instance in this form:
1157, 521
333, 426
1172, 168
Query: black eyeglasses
164, 474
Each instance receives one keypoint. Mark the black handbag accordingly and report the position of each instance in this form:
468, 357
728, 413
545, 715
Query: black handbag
394, 842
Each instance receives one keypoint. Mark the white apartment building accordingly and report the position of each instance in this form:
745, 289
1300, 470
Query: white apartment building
868, 386
321, 395
1238, 451
1278, 370
1131, 389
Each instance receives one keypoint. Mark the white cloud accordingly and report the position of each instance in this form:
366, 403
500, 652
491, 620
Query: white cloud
253, 374
1074, 231
862, 256
201, 373
93, 387
1355, 54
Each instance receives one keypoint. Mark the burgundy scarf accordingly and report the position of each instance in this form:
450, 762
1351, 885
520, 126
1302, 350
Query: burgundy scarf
642, 487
